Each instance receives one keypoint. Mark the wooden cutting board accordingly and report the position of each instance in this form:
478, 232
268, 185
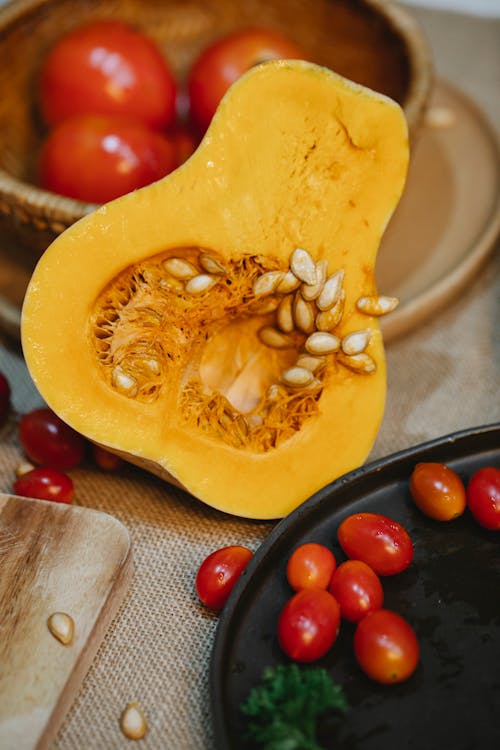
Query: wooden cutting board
53, 558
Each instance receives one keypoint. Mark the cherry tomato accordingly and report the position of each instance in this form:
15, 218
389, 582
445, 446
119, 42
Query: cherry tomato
386, 647
357, 588
95, 159
308, 625
184, 142
107, 67
483, 497
106, 460
45, 483
4, 398
310, 566
380, 542
220, 64
437, 491
48, 440
219, 572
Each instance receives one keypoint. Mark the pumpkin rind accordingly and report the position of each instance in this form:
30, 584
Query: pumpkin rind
295, 157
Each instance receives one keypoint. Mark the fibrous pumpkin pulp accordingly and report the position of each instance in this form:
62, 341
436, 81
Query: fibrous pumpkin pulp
220, 327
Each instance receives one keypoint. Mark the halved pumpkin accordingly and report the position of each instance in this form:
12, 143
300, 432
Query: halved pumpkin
180, 326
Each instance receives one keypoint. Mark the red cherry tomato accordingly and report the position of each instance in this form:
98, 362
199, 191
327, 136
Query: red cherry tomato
357, 588
310, 566
4, 398
95, 159
437, 491
45, 483
106, 67
308, 625
380, 542
106, 460
48, 440
483, 497
184, 142
386, 647
220, 64
219, 572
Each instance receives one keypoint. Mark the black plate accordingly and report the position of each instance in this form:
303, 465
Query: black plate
450, 594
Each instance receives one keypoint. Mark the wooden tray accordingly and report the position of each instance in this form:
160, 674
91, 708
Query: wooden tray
443, 229
53, 558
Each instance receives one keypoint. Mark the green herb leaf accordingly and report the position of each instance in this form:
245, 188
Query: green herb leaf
284, 708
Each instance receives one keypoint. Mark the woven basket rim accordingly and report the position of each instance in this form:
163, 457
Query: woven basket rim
402, 22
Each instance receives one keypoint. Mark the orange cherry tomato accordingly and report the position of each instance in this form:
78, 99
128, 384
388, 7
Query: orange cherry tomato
386, 647
310, 566
437, 491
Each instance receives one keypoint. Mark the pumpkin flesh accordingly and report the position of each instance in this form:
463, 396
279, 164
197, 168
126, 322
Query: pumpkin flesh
296, 157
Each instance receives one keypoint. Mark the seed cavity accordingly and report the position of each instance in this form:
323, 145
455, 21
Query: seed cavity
377, 305
322, 343
356, 342
133, 723
62, 627
332, 290
303, 266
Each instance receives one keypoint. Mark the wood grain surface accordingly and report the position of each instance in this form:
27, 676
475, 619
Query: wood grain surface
53, 558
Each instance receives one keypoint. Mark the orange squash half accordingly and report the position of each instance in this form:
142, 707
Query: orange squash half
220, 327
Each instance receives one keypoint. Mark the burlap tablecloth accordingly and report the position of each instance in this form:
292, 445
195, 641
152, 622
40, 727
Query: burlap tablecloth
443, 377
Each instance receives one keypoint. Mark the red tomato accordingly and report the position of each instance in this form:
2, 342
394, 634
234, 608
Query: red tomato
309, 624
380, 542
386, 647
184, 142
95, 159
437, 491
48, 440
4, 398
310, 566
106, 67
220, 64
483, 497
45, 483
106, 460
219, 572
357, 588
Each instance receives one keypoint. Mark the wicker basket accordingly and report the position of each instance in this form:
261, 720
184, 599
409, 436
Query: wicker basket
373, 42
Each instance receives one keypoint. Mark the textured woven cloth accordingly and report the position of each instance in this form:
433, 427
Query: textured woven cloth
443, 377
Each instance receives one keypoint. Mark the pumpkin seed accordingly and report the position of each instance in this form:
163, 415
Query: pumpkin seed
321, 342
276, 339
200, 284
361, 363
329, 319
311, 291
267, 283
124, 382
172, 285
289, 283
297, 377
180, 268
62, 627
303, 266
265, 305
313, 364
377, 305
284, 314
356, 342
132, 722
273, 392
303, 313
212, 265
332, 290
